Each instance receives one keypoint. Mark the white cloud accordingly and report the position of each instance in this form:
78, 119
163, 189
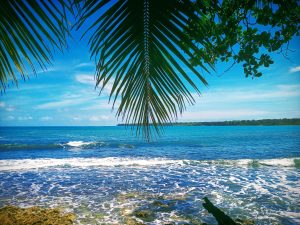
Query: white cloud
246, 95
289, 87
82, 97
86, 79
10, 108
46, 118
76, 118
217, 115
9, 118
294, 69
99, 118
22, 118
100, 105
47, 70
6, 107
63, 103
90, 80
67, 99
80, 65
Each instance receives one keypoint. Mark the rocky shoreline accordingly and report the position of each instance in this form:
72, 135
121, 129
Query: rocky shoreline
141, 215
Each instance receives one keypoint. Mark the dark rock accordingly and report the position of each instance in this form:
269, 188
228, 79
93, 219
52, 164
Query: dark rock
145, 215
220, 216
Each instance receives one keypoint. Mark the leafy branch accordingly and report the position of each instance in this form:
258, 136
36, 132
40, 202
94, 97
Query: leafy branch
241, 30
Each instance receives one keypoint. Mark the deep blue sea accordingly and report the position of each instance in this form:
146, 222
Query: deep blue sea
104, 174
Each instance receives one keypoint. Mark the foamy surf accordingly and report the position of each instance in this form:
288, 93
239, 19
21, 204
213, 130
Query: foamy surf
279, 162
78, 143
287, 162
28, 164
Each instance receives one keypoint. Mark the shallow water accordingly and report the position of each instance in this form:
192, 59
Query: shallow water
102, 174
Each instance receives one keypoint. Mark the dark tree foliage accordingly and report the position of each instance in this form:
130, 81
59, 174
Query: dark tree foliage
241, 29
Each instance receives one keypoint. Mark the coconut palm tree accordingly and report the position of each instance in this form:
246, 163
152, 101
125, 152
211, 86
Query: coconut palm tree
141, 47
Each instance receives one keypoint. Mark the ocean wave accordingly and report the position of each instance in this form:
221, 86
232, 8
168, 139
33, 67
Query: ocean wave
20, 164
63, 145
78, 143
21, 146
279, 162
28, 164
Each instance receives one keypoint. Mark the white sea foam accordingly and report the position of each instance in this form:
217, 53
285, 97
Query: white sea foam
280, 162
285, 162
27, 164
295, 216
78, 143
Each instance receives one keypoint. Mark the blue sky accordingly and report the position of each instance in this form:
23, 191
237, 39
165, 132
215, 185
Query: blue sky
65, 93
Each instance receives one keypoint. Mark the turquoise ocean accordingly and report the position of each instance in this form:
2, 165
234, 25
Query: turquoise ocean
103, 174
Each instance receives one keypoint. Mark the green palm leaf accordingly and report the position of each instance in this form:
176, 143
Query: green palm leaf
141, 46
29, 32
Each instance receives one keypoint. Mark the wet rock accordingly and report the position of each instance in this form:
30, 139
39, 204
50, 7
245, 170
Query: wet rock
145, 215
132, 221
254, 164
125, 196
245, 222
98, 215
163, 205
297, 163
12, 215
159, 204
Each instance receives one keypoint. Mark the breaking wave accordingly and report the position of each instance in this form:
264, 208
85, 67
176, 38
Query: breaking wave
29, 164
78, 143
63, 145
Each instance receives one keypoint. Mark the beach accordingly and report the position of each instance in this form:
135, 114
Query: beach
105, 175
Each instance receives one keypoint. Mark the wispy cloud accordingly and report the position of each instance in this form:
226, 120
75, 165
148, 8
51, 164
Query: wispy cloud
99, 118
76, 118
8, 108
50, 69
90, 80
86, 98
58, 104
46, 118
8, 118
22, 118
86, 79
80, 65
216, 115
100, 105
247, 95
294, 69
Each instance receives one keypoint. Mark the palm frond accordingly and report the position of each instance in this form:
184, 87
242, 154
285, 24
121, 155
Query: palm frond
30, 30
140, 44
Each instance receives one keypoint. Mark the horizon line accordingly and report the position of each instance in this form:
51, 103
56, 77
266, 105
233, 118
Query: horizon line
170, 123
